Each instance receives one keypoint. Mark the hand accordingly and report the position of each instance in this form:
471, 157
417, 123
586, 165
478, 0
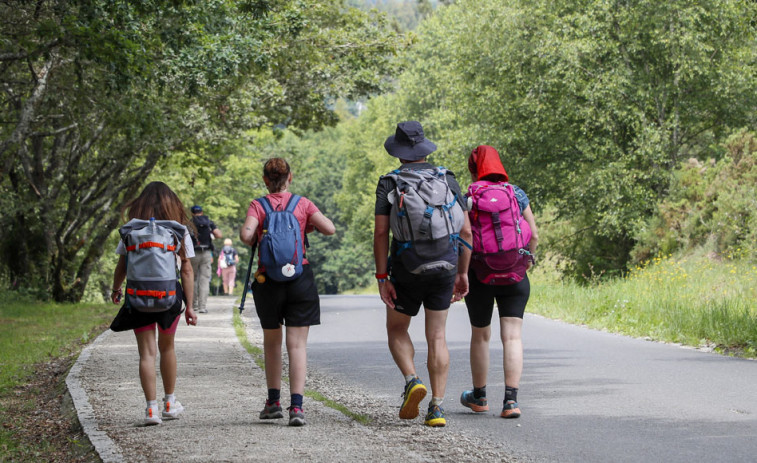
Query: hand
388, 293
190, 316
116, 296
461, 287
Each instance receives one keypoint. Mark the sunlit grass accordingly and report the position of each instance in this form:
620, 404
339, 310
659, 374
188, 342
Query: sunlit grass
32, 333
695, 301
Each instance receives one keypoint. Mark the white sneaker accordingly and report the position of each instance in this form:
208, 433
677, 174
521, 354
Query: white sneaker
151, 416
172, 410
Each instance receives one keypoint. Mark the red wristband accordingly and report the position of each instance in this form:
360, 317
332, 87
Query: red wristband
381, 276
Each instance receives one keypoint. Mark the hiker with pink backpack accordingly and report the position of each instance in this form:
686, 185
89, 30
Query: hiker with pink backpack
504, 243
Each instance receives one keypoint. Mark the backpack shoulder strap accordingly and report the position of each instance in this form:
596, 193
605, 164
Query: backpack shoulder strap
293, 200
266, 205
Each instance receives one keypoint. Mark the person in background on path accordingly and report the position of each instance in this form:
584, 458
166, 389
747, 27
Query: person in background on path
203, 259
228, 259
293, 303
484, 164
158, 201
403, 292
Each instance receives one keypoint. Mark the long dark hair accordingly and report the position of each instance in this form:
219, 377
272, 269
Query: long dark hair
159, 201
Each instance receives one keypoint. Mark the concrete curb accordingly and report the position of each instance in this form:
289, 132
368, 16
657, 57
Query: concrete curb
104, 445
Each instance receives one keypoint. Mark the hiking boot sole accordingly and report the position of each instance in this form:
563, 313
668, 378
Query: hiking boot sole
409, 408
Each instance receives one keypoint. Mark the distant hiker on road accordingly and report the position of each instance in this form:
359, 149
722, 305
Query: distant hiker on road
157, 244
203, 259
504, 242
228, 259
284, 287
427, 263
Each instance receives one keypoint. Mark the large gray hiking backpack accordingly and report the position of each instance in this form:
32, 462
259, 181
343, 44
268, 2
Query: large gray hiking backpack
151, 273
425, 219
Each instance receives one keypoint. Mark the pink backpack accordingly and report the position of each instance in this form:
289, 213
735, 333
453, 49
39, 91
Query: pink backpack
500, 234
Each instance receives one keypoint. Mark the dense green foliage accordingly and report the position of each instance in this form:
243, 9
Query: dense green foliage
596, 106
711, 205
96, 94
593, 106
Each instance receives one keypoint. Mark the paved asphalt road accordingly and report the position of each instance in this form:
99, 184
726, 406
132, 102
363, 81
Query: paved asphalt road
586, 395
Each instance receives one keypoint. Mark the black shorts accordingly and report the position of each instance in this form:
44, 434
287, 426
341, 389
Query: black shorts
433, 293
511, 300
294, 303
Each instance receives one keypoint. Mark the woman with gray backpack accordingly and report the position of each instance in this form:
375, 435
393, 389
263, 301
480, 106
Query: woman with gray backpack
504, 242
154, 250
284, 287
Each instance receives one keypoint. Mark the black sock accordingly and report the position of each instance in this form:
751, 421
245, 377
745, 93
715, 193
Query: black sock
274, 395
479, 392
511, 393
297, 400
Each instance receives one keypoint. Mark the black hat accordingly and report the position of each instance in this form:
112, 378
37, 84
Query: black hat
196, 209
408, 142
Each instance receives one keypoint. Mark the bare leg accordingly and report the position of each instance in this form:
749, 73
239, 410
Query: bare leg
479, 354
438, 354
297, 339
272, 353
512, 345
167, 362
148, 351
400, 344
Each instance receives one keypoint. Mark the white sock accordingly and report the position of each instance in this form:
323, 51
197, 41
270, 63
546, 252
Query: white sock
152, 404
169, 398
409, 378
437, 400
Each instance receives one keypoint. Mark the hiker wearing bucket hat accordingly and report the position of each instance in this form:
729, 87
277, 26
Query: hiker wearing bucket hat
487, 286
422, 206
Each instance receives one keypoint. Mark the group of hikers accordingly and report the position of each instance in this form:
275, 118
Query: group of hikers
433, 246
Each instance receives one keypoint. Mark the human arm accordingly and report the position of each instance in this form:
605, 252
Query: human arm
529, 216
463, 261
381, 258
119, 275
322, 223
187, 284
248, 231
216, 233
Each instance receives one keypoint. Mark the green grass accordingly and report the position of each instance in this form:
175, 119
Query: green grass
257, 355
694, 301
32, 333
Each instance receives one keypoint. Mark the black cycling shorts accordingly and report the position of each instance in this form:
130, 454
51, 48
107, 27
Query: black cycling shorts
433, 293
293, 303
511, 300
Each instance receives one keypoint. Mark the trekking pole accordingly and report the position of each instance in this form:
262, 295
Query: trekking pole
247, 280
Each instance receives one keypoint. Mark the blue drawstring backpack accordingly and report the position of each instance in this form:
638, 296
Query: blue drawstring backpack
281, 248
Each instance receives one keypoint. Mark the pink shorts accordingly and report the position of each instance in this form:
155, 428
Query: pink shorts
151, 326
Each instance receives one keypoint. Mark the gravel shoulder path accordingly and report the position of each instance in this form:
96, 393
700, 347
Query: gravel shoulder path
222, 390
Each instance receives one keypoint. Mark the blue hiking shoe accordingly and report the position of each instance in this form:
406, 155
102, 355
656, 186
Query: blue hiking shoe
477, 405
415, 391
435, 416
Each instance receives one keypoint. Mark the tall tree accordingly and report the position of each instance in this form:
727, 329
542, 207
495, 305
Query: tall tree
591, 103
97, 93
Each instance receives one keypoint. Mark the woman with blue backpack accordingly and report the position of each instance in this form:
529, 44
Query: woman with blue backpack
504, 243
284, 287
